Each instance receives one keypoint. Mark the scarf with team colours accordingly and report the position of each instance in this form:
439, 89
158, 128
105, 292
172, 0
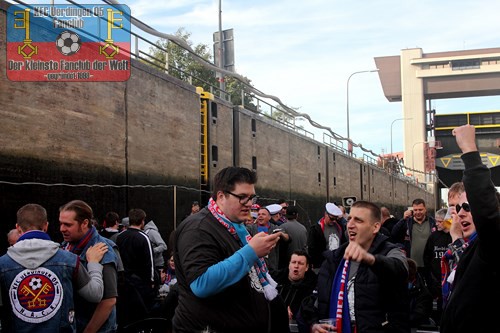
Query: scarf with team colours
339, 305
77, 247
240, 233
449, 262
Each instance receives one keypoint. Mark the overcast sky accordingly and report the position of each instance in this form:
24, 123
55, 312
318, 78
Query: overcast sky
304, 51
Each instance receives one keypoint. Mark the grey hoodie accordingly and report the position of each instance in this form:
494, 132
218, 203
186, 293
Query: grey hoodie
159, 245
32, 253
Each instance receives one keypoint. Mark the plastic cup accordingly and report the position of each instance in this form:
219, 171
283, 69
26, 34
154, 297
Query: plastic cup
448, 219
329, 321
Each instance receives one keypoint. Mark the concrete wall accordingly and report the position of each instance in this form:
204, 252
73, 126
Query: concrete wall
119, 138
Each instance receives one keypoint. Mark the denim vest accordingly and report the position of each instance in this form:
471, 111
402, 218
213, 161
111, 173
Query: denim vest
85, 310
41, 299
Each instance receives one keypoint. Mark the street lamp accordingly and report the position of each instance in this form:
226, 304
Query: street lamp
222, 84
413, 155
367, 71
391, 128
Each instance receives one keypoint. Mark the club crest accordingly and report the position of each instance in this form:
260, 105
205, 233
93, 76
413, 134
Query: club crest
36, 295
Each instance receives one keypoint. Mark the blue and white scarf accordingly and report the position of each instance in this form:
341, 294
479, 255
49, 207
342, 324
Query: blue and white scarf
339, 305
240, 233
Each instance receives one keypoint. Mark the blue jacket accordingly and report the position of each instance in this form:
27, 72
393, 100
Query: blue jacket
86, 309
41, 299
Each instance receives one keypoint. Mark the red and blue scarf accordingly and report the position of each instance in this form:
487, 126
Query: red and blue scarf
169, 275
240, 233
339, 304
449, 262
78, 247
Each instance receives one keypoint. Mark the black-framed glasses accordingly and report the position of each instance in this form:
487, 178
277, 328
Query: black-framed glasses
465, 207
244, 199
333, 217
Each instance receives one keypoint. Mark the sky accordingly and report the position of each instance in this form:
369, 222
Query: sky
304, 51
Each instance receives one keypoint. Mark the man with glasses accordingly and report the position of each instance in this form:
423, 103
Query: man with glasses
327, 234
224, 284
284, 206
474, 280
449, 261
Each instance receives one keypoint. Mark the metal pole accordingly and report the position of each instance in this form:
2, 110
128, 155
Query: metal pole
347, 102
391, 129
413, 155
222, 84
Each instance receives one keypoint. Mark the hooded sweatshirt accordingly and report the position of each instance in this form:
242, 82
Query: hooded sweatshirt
159, 245
37, 281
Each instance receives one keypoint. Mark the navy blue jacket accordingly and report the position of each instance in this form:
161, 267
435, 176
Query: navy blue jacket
381, 291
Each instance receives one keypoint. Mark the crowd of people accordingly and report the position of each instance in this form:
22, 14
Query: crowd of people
236, 266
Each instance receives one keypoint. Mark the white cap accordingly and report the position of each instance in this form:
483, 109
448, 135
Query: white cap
125, 222
274, 209
333, 210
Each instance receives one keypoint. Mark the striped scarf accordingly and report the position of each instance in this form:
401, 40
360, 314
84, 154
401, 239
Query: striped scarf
449, 262
77, 247
240, 233
340, 310
169, 275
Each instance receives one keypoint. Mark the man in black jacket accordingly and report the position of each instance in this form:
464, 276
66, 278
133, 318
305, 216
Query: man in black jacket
412, 232
297, 282
475, 286
366, 277
223, 281
326, 234
141, 281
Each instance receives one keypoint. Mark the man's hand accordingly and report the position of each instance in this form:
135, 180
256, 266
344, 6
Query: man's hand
263, 243
355, 252
96, 252
290, 313
456, 227
466, 138
322, 328
407, 213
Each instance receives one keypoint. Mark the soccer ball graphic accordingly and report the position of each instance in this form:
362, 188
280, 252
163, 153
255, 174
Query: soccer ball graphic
68, 43
35, 283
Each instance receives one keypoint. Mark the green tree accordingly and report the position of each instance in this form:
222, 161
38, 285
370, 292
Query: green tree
182, 65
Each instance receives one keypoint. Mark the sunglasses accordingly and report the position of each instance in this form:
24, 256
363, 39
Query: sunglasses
465, 207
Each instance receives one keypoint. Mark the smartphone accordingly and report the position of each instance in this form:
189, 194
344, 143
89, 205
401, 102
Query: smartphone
277, 230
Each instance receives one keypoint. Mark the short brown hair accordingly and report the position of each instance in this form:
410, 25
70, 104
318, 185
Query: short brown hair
81, 208
417, 202
375, 213
136, 216
31, 217
111, 219
456, 189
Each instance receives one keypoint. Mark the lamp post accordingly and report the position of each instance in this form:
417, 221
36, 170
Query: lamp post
222, 84
391, 129
347, 108
413, 155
